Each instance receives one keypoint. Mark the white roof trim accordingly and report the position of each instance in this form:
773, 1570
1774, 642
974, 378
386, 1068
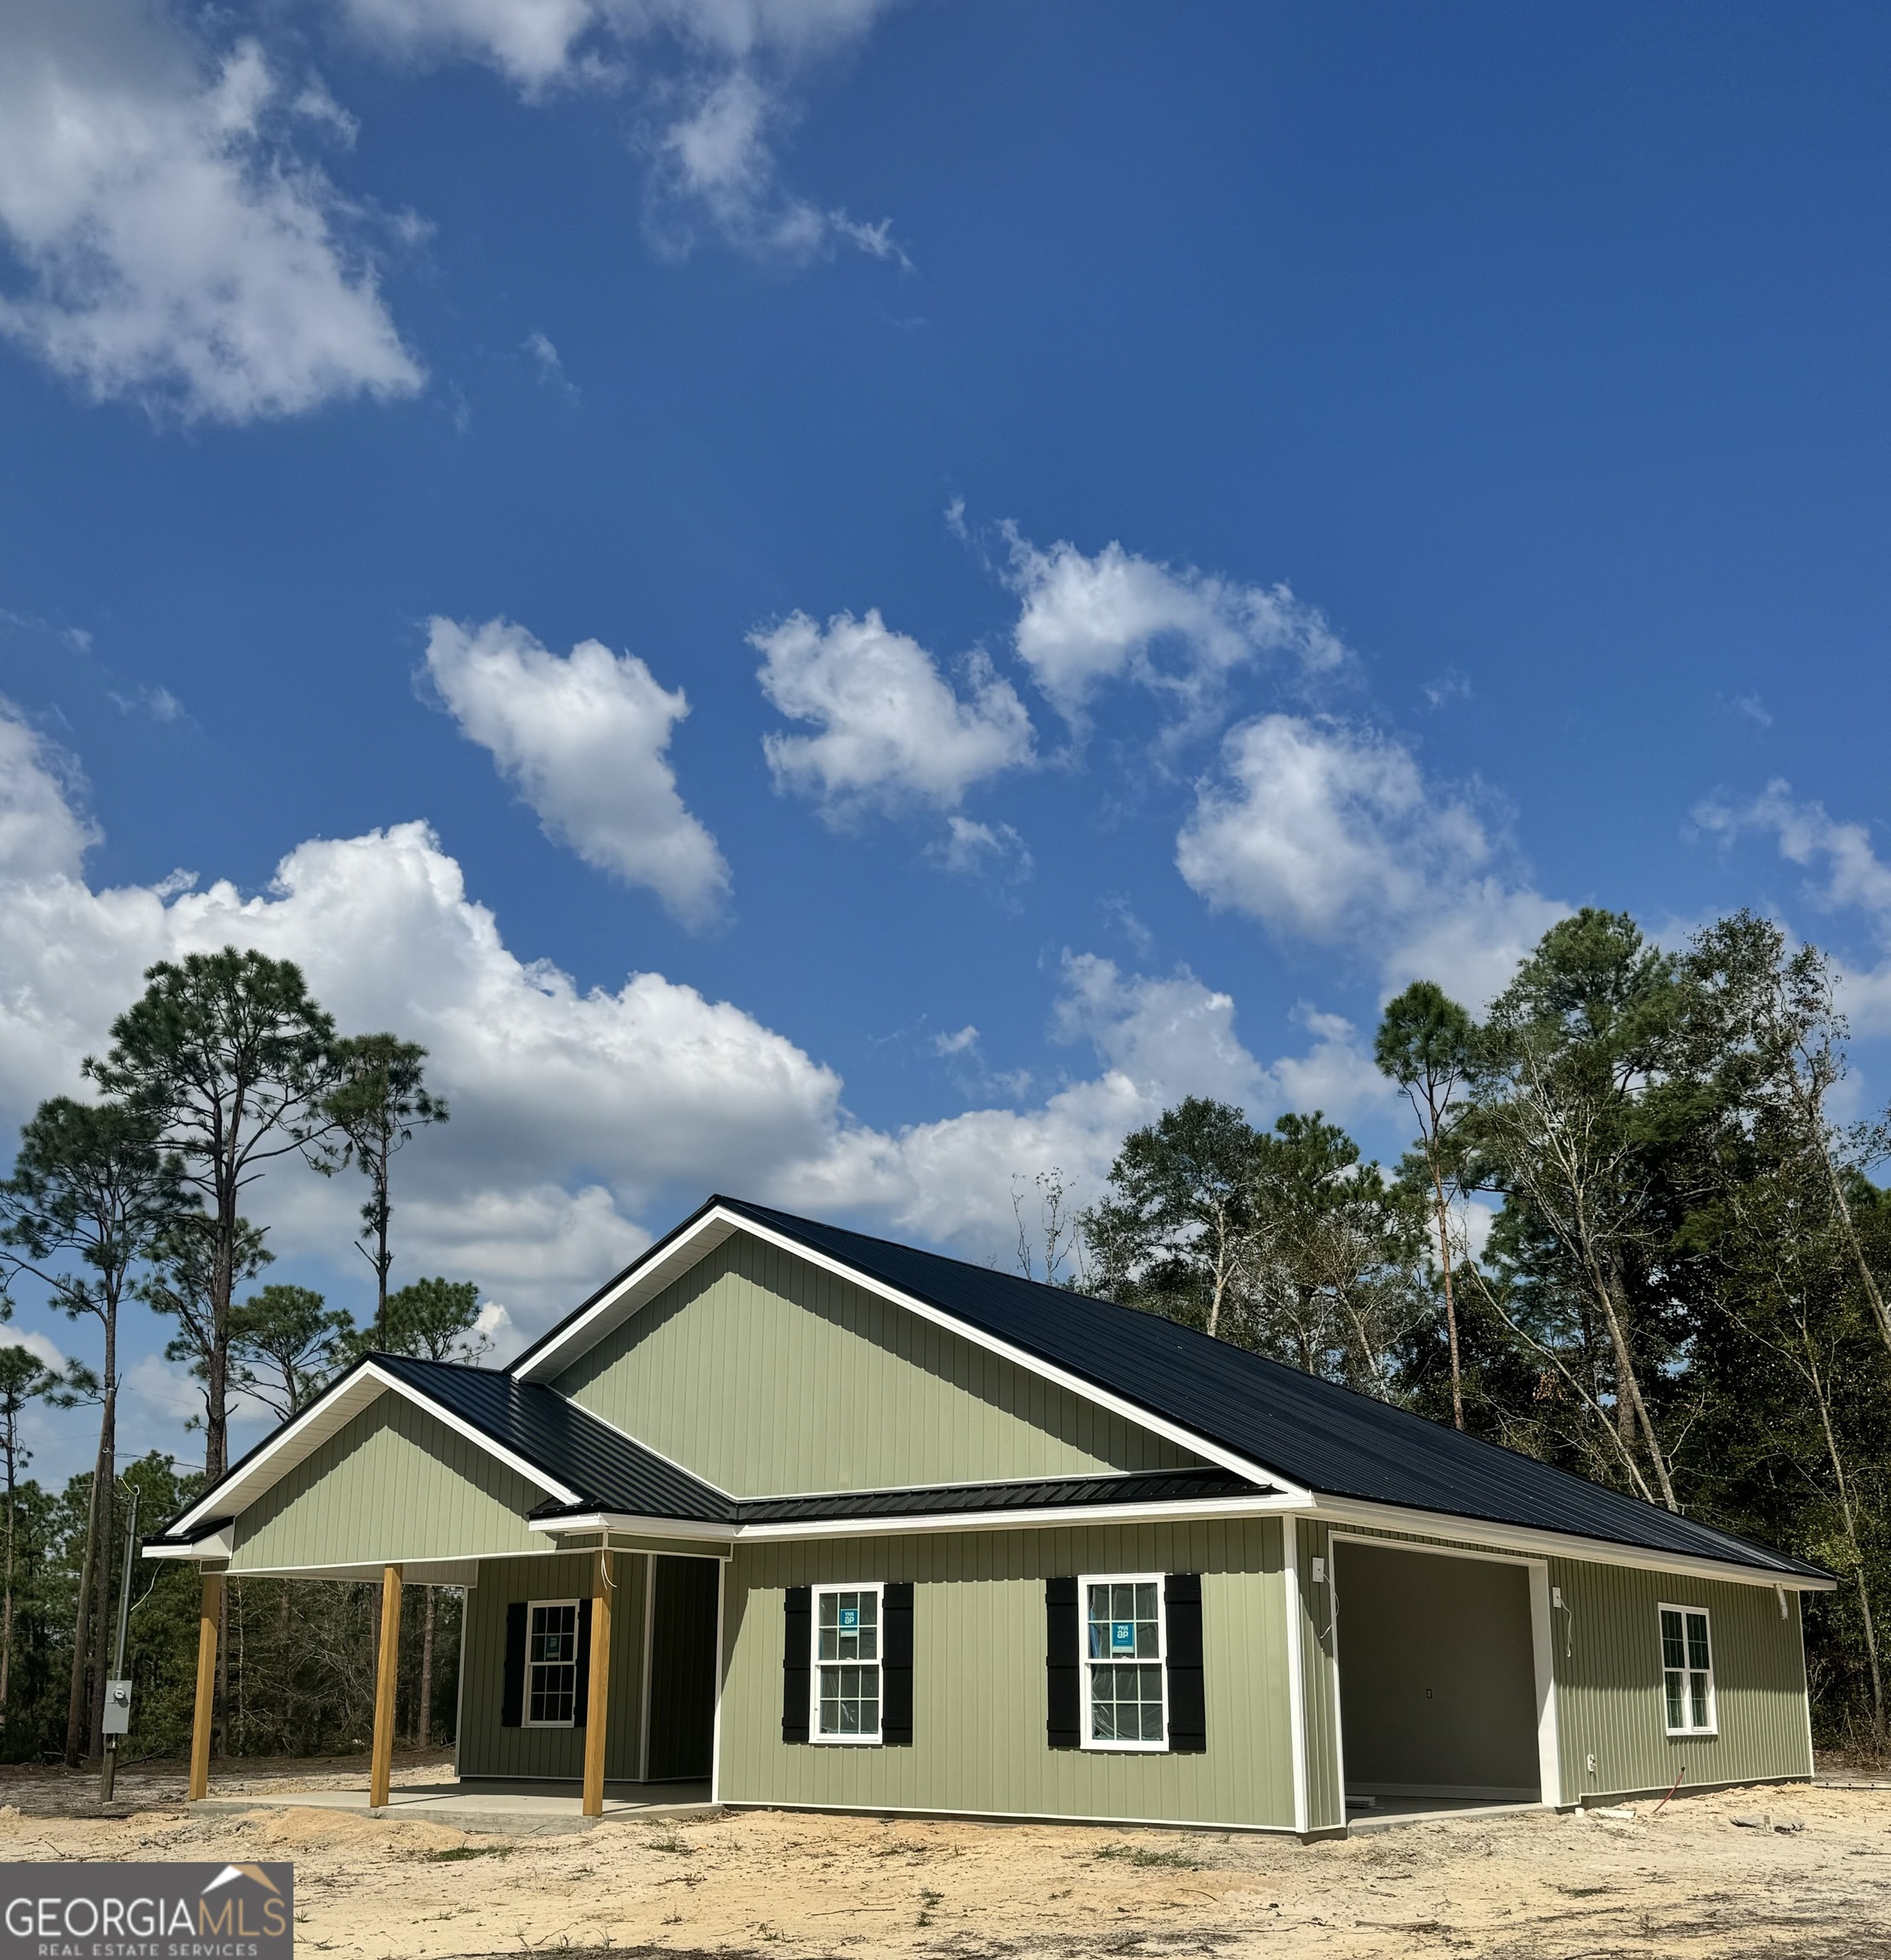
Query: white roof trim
881, 1525
330, 1412
641, 1284
1514, 1540
1529, 1541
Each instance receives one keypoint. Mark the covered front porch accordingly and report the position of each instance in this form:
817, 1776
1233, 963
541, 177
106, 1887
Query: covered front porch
635, 1666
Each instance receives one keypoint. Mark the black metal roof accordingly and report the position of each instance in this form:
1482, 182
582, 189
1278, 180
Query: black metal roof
606, 1468
1328, 1439
1032, 1494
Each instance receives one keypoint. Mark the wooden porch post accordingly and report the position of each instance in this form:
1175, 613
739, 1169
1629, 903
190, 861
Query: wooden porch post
387, 1672
597, 1716
208, 1612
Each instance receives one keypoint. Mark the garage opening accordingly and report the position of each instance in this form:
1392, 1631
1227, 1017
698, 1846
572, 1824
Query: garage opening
1438, 1679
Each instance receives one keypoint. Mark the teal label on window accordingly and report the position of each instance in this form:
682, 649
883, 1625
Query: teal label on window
849, 1617
1122, 1636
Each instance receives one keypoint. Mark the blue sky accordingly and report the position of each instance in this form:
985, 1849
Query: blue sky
1114, 536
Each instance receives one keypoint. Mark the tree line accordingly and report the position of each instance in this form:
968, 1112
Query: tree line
1634, 1235
224, 1068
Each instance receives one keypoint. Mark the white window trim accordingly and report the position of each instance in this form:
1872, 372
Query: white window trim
1085, 1582
879, 1665
1713, 1696
525, 1713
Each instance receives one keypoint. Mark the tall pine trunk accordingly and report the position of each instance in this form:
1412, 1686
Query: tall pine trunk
82, 1627
12, 1443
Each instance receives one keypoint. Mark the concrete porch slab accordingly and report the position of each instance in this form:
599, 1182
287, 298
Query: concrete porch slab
499, 1809
1389, 1812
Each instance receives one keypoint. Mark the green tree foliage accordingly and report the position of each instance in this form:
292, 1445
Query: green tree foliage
1282, 1242
89, 1196
1171, 1236
285, 1344
25, 1379
1425, 1044
435, 1319
1681, 1288
380, 1100
234, 1062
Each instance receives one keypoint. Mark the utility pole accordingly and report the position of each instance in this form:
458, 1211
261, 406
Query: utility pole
118, 1707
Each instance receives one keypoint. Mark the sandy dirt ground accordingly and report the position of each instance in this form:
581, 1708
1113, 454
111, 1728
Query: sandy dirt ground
1688, 1883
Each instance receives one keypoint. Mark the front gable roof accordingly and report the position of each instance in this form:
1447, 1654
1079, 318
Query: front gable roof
1245, 1411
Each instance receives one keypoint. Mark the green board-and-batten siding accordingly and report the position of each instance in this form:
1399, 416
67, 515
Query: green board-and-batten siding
978, 1745
1606, 1649
393, 1484
1605, 1663
487, 1748
767, 1375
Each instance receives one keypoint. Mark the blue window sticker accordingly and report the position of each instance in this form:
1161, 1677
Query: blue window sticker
1122, 1636
850, 1615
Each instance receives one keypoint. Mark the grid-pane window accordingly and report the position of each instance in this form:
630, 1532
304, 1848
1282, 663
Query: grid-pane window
551, 1665
846, 1663
1122, 1662
1686, 1670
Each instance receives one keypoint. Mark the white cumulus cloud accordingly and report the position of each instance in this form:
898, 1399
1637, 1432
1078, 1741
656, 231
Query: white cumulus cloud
1113, 615
892, 728
583, 1118
40, 834
1332, 833
1847, 875
585, 736
718, 80
168, 248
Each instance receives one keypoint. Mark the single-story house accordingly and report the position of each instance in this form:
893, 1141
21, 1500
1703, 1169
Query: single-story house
831, 1523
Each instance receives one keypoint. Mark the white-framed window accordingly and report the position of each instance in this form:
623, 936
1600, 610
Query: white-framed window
1124, 1650
551, 1663
1688, 1670
847, 1654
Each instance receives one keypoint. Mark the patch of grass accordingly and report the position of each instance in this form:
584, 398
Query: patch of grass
899, 1847
672, 1843
930, 1899
1136, 1855
458, 1853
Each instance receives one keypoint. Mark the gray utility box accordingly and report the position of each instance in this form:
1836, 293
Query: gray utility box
118, 1707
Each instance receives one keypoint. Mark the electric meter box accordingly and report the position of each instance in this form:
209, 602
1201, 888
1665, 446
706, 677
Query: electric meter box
118, 1707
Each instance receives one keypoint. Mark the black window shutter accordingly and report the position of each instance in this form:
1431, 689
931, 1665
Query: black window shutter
581, 1707
896, 1666
1181, 1599
512, 1694
797, 1654
1062, 1677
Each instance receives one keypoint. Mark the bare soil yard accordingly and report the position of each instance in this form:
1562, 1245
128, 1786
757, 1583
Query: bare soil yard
1688, 1882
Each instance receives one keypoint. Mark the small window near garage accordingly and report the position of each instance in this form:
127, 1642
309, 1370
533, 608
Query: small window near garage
551, 1664
847, 1659
1688, 1670
1123, 1656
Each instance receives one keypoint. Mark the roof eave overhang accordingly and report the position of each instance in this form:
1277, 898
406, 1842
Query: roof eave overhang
671, 1257
882, 1524
364, 1384
1555, 1544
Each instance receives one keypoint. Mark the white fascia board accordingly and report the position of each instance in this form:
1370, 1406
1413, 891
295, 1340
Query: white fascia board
218, 1545
298, 1440
586, 1522
1054, 1518
1555, 1544
879, 1525
645, 1283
